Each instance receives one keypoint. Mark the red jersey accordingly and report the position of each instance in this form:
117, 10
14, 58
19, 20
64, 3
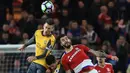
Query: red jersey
106, 69
76, 59
104, 18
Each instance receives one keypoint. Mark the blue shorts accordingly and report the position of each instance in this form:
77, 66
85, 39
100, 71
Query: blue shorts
36, 68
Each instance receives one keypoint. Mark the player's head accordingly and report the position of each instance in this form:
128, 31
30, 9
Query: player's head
101, 59
65, 41
51, 61
48, 26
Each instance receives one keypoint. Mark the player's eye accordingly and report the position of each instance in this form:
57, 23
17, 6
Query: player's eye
63, 40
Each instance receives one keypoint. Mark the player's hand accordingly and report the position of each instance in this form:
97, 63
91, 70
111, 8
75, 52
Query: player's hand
48, 71
49, 47
31, 58
115, 58
22, 48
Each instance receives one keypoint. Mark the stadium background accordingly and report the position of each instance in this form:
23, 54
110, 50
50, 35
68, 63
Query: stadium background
82, 20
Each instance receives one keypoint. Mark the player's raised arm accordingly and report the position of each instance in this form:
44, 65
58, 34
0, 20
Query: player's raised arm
98, 53
31, 41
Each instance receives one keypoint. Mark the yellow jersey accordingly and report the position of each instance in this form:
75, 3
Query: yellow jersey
41, 43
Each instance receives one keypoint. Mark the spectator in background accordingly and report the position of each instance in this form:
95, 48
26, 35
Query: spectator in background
23, 21
5, 38
109, 34
65, 4
57, 27
104, 18
16, 38
107, 48
91, 36
84, 41
64, 18
5, 28
122, 27
93, 13
81, 11
12, 27
122, 47
74, 30
83, 27
112, 11
25, 38
9, 17
31, 25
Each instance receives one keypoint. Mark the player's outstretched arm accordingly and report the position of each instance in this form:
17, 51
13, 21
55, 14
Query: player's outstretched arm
98, 53
31, 41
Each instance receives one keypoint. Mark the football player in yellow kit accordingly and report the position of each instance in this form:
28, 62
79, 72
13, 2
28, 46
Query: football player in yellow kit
44, 41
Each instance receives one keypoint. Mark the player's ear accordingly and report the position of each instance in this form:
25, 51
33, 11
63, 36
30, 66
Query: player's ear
52, 28
61, 44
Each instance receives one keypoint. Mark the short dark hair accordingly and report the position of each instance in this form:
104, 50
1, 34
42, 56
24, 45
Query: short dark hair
58, 39
49, 21
50, 59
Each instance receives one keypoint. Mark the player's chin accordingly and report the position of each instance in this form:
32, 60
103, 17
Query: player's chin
67, 46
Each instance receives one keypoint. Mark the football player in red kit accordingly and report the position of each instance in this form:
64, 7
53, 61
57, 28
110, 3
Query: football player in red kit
76, 59
102, 66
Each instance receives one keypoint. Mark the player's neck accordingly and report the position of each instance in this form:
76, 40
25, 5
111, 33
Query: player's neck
45, 34
68, 49
102, 65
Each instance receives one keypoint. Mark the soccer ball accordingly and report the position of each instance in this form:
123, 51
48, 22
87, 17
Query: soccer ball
47, 7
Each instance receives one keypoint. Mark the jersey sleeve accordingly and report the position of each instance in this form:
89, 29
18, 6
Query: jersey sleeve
53, 41
85, 48
112, 71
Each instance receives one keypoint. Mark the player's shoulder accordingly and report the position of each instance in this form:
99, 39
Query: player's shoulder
53, 37
80, 45
39, 30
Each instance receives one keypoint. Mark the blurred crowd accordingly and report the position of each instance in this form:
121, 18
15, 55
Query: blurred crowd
99, 24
